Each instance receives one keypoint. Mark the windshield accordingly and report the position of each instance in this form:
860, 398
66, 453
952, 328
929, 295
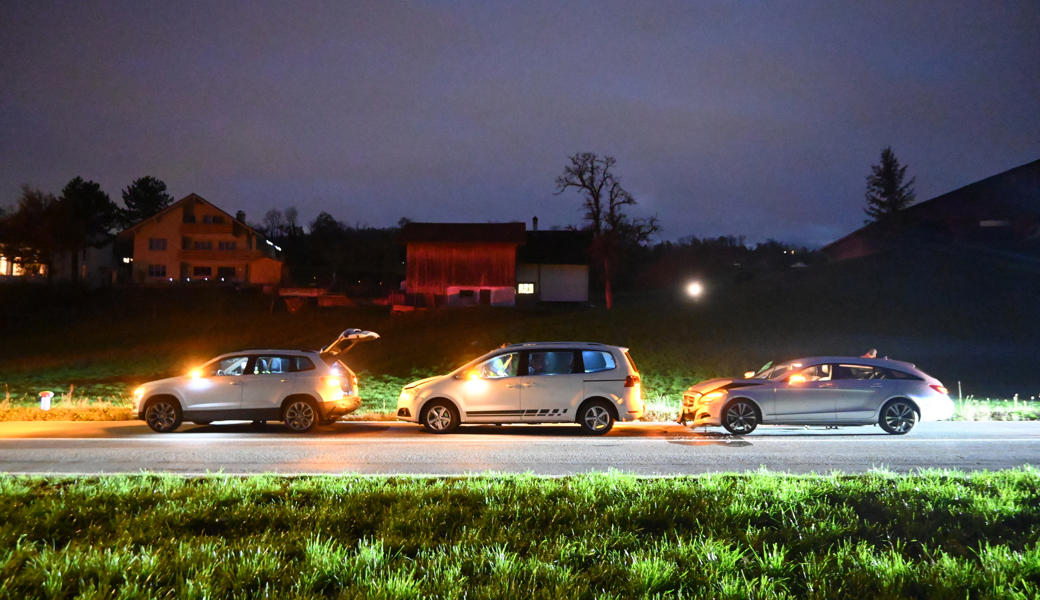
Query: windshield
778, 372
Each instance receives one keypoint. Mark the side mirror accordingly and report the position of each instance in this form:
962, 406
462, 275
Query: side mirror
468, 375
749, 375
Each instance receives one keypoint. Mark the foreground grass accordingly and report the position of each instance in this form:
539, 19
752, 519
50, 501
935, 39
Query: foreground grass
931, 535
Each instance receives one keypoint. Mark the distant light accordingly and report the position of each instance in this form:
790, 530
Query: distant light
695, 289
127, 260
525, 288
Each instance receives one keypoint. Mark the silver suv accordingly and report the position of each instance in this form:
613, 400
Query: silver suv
301, 388
593, 385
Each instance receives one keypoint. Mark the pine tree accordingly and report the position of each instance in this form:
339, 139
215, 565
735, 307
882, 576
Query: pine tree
143, 198
886, 194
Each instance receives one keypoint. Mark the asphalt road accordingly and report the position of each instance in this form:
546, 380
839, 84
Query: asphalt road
384, 448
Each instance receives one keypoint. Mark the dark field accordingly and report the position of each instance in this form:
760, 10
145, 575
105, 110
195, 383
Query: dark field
969, 320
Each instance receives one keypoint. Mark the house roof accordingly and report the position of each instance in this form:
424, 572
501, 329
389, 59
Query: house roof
192, 197
559, 247
463, 233
1018, 188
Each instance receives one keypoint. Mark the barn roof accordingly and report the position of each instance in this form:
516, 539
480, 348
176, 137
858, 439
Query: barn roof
448, 233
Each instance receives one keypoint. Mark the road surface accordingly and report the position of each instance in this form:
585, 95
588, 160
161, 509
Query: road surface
388, 448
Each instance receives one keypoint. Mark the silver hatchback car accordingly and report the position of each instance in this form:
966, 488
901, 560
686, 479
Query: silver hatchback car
828, 390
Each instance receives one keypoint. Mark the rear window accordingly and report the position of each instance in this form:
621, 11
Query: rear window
631, 362
596, 361
303, 364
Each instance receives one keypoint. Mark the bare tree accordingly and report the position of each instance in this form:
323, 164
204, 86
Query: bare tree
604, 206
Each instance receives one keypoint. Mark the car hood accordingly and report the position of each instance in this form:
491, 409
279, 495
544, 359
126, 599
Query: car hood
420, 382
724, 382
168, 380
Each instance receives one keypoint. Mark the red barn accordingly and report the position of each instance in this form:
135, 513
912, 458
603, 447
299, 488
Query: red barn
460, 264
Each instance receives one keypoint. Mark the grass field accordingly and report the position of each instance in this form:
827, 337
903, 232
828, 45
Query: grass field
880, 535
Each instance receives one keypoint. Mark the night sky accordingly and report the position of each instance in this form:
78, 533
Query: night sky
745, 118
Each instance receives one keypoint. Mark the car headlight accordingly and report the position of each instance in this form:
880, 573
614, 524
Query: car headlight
139, 393
406, 394
712, 396
691, 398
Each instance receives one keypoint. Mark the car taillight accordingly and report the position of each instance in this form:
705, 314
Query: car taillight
939, 389
632, 380
353, 382
331, 381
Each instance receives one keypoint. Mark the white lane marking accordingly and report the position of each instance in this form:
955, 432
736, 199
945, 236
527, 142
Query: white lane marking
217, 437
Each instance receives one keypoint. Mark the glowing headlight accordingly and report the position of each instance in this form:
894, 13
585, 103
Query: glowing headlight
710, 397
406, 394
139, 392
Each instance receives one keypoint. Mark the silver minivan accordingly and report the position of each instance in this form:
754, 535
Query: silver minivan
590, 384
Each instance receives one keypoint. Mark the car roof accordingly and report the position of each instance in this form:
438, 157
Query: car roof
558, 344
270, 351
873, 362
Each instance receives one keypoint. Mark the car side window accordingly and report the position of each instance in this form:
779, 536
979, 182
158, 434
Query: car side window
503, 365
894, 374
817, 373
302, 363
272, 365
596, 361
555, 362
855, 372
233, 366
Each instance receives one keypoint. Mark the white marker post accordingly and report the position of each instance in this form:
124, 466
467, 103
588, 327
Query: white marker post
45, 400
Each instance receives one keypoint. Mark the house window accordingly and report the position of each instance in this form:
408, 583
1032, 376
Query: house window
157, 270
157, 244
227, 245
202, 271
213, 219
226, 272
525, 288
206, 245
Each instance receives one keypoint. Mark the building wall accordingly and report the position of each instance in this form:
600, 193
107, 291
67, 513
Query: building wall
434, 267
556, 283
222, 246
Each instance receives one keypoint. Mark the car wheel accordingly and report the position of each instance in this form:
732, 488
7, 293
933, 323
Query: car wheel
440, 417
898, 417
163, 415
596, 418
300, 416
740, 417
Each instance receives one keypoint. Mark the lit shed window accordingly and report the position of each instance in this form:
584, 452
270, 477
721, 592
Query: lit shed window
525, 288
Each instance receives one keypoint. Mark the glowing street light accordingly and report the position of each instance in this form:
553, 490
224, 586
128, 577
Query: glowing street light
695, 289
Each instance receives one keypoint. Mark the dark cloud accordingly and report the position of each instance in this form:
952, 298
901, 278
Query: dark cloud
748, 118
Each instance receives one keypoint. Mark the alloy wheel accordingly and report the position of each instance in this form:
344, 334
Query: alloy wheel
439, 418
161, 416
300, 416
900, 417
741, 418
597, 418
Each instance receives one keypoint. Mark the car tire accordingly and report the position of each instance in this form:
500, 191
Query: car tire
740, 417
596, 418
163, 415
898, 417
300, 415
440, 417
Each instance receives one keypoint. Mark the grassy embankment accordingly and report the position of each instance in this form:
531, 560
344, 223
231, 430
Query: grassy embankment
927, 309
930, 535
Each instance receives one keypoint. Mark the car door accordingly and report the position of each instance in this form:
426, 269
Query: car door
271, 379
806, 396
553, 386
219, 388
861, 389
491, 389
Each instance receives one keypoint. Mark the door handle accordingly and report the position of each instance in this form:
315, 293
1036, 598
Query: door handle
285, 381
